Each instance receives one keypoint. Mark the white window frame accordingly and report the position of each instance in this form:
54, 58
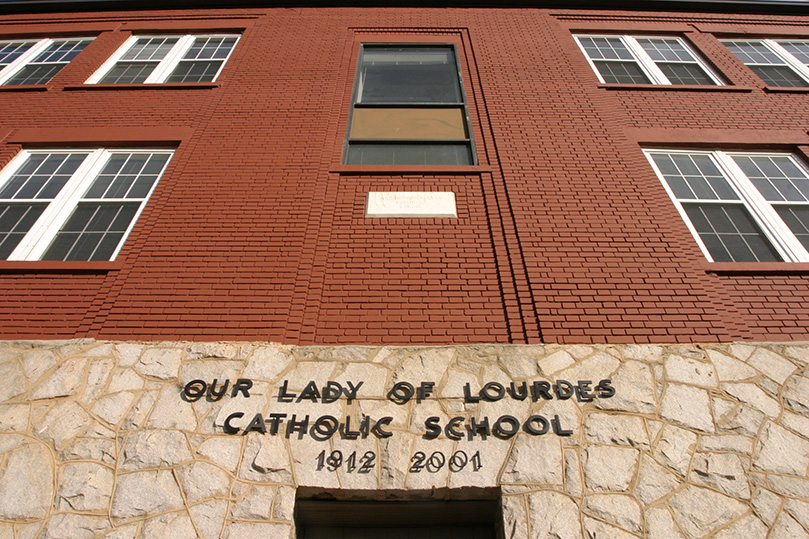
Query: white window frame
763, 212
644, 61
43, 232
800, 69
167, 64
41, 45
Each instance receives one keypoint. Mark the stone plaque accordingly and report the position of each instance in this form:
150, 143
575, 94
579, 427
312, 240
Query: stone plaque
411, 204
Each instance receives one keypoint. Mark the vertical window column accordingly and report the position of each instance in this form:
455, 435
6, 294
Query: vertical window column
409, 108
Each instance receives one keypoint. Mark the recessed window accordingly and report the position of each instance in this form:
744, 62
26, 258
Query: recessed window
472, 519
409, 108
741, 207
779, 63
166, 59
74, 205
646, 60
26, 62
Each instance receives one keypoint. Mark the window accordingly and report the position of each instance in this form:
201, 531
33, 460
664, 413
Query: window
36, 61
741, 207
782, 63
74, 205
409, 108
164, 59
646, 60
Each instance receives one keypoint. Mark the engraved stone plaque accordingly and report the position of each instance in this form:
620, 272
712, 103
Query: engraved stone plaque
410, 204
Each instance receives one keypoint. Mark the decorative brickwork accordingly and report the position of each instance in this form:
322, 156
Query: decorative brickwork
256, 231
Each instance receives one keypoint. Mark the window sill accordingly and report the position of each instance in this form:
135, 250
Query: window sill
786, 90
409, 169
757, 268
25, 88
170, 86
677, 87
39, 266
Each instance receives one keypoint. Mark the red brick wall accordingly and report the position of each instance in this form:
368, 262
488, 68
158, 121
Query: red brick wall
256, 232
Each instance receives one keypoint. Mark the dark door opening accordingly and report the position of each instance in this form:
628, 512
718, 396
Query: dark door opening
328, 519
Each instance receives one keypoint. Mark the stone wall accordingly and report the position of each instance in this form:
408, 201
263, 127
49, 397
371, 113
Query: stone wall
98, 439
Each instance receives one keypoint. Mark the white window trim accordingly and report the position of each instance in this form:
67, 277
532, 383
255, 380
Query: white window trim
644, 61
25, 58
168, 64
53, 218
801, 69
762, 211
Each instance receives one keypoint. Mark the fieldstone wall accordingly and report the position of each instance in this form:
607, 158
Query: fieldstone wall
98, 439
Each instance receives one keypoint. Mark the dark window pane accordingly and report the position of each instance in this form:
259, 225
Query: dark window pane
665, 50
150, 48
409, 154
799, 49
196, 71
45, 181
207, 48
753, 52
786, 190
34, 74
92, 232
767, 189
779, 76
15, 221
62, 51
409, 75
730, 233
665, 164
622, 73
685, 74
687, 164
129, 73
11, 51
797, 219
695, 176
776, 177
605, 48
127, 176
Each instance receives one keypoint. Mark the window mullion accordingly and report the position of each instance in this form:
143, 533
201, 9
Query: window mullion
645, 61
799, 67
169, 63
57, 213
777, 232
11, 69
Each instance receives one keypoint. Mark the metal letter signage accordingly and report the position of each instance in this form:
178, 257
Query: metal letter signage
326, 426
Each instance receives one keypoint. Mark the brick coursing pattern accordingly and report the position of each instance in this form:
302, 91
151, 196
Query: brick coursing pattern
256, 232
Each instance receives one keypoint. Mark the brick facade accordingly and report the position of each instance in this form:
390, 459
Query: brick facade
256, 230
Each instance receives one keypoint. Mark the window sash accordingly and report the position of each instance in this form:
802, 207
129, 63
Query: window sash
33, 57
41, 237
649, 67
169, 63
437, 146
774, 47
764, 213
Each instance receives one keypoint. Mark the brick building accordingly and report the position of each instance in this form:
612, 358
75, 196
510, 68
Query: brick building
543, 268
